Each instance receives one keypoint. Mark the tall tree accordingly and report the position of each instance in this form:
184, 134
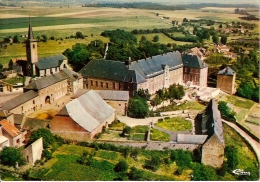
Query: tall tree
10, 156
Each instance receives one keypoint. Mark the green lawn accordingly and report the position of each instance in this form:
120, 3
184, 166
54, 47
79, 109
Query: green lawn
187, 105
157, 135
175, 124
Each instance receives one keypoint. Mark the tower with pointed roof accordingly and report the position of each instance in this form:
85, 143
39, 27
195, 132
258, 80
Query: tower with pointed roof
31, 53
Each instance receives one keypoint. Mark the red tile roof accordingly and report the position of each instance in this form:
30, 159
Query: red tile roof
9, 128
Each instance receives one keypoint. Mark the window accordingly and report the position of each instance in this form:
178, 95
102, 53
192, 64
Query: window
106, 85
33, 101
22, 108
102, 84
91, 82
96, 83
33, 46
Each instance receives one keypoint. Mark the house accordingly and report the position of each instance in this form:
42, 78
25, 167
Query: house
43, 91
33, 152
15, 137
209, 123
117, 99
151, 74
226, 80
83, 118
195, 71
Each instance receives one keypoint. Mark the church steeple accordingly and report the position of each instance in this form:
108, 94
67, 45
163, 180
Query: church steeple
31, 52
30, 32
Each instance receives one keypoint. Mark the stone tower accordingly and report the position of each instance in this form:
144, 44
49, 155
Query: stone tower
226, 80
31, 53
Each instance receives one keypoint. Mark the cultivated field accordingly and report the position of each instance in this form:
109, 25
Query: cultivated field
63, 20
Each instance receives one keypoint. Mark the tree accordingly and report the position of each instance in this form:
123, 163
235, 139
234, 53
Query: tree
10, 156
143, 39
79, 35
232, 157
135, 174
121, 166
126, 130
215, 39
223, 40
203, 173
15, 39
225, 110
48, 138
44, 38
78, 56
153, 164
138, 107
121, 170
185, 20
156, 38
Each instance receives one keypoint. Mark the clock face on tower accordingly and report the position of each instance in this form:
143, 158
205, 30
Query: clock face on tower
29, 66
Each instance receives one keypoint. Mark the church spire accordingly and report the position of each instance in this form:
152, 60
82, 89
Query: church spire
30, 32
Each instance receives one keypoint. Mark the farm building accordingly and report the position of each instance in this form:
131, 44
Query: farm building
117, 99
82, 118
226, 80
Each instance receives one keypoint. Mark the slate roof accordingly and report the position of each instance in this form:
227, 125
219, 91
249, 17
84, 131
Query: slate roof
50, 79
193, 61
227, 71
50, 62
107, 69
10, 129
20, 99
154, 65
214, 125
114, 95
89, 110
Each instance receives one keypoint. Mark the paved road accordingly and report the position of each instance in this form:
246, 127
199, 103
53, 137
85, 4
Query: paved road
255, 145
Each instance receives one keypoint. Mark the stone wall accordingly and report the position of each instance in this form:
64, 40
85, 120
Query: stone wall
226, 83
213, 152
33, 152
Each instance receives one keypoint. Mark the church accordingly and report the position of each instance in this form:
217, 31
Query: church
39, 67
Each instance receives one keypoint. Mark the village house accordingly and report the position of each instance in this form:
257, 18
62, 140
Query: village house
226, 80
8, 131
151, 74
82, 118
195, 71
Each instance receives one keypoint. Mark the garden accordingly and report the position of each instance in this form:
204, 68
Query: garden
174, 124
